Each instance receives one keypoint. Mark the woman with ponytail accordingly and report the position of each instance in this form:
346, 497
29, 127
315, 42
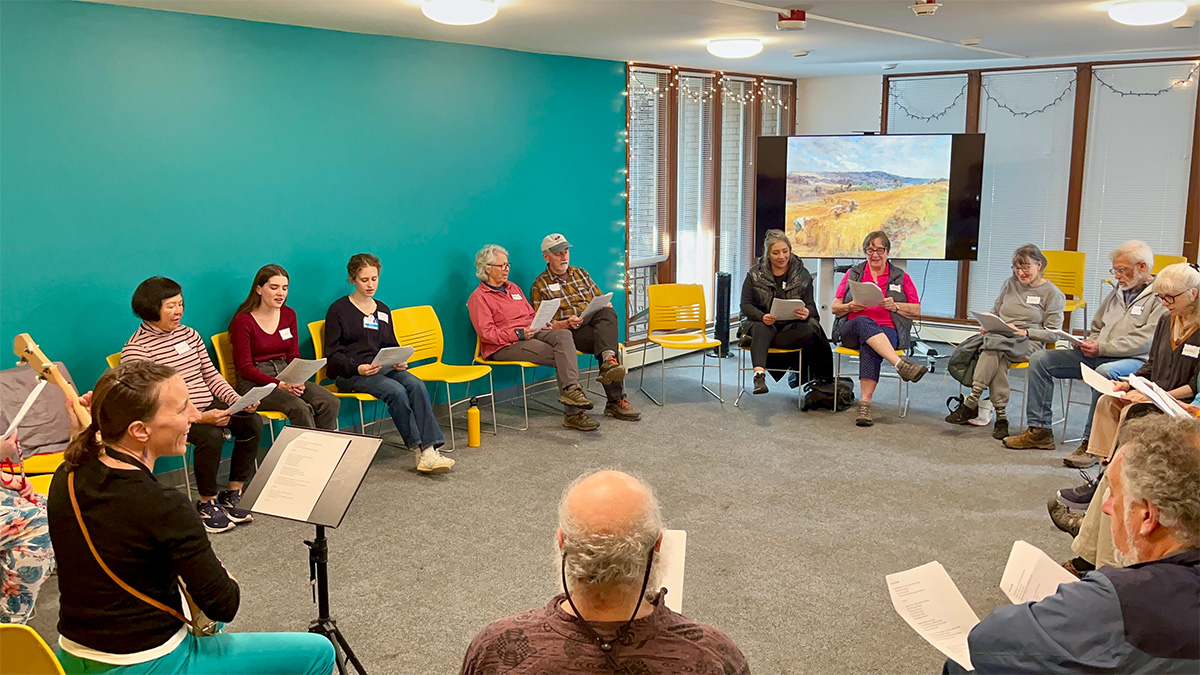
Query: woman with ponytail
124, 542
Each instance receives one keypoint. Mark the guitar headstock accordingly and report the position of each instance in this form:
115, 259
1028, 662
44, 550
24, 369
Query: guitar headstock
28, 351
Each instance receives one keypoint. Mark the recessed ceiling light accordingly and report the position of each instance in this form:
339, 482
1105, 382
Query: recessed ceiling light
735, 48
459, 12
1147, 12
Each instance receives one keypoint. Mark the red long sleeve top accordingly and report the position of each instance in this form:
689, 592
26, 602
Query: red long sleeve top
252, 344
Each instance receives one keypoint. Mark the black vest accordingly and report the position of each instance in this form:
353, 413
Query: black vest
894, 290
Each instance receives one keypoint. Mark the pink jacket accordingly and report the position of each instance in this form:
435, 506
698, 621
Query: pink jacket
497, 314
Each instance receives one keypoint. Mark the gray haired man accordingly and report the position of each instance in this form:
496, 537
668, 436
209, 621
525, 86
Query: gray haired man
609, 528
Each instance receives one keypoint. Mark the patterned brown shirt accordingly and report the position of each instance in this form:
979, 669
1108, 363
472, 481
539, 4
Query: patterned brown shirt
576, 291
548, 641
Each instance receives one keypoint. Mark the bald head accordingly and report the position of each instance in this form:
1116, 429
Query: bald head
607, 502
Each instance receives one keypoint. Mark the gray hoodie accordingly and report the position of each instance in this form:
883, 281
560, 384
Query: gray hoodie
1125, 331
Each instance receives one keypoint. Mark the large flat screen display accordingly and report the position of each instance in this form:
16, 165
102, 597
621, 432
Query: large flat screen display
828, 192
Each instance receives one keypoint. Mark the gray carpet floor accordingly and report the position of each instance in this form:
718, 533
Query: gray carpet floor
793, 520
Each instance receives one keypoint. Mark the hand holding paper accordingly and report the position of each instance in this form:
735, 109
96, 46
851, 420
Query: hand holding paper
598, 303
300, 370
545, 313
785, 310
1031, 575
390, 356
868, 295
993, 323
928, 600
253, 396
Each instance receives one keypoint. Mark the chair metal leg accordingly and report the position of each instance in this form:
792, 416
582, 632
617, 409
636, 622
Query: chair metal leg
741, 378
837, 376
450, 417
642, 379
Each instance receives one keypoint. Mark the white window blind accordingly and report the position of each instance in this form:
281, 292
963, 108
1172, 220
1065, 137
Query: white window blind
737, 177
694, 226
1138, 157
776, 100
649, 165
930, 105
1028, 117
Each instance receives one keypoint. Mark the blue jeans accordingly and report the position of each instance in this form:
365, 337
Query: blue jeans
1047, 365
407, 400
229, 654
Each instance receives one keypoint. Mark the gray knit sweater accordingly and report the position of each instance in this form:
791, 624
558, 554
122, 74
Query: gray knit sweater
1037, 310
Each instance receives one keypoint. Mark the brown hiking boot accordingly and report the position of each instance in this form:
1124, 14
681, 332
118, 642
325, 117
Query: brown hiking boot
574, 396
1063, 518
580, 422
610, 371
622, 410
910, 371
864, 418
1039, 438
1080, 459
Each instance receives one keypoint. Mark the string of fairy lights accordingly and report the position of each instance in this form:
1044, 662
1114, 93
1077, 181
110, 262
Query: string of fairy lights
707, 89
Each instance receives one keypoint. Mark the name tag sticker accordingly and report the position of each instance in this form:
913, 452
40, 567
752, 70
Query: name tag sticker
1033, 300
1191, 351
370, 322
1136, 310
285, 333
517, 296
554, 287
895, 288
182, 347
383, 316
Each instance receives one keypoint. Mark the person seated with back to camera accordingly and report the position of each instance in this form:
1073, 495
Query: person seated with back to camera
502, 316
609, 618
110, 520
1032, 307
781, 274
597, 334
162, 338
877, 332
1117, 344
357, 326
265, 339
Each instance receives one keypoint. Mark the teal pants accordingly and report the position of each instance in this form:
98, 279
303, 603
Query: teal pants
227, 654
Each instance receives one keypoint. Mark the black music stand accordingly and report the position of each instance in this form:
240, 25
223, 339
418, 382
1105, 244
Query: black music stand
329, 510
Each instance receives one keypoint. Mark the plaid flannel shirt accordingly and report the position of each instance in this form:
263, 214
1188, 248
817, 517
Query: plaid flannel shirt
576, 291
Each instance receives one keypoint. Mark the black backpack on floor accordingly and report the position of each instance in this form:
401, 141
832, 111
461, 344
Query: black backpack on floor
818, 394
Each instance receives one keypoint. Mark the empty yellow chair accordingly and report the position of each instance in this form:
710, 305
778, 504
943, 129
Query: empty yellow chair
224, 348
677, 319
419, 328
113, 359
1161, 261
317, 330
1065, 270
23, 651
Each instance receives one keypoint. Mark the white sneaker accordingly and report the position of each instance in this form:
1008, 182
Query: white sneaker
432, 461
984, 416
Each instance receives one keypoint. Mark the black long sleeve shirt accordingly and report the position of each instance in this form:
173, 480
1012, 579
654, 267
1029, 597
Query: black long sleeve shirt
349, 343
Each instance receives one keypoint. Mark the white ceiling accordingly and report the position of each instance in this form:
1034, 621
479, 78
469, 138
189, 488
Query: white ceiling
673, 32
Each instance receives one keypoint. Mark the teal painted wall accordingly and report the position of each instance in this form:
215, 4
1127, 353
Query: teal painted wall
136, 143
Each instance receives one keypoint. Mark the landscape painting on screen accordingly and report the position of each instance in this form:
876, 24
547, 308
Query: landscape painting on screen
839, 188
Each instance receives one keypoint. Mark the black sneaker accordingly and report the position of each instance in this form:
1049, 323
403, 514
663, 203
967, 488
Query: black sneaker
760, 383
213, 517
1000, 428
962, 413
1079, 498
228, 501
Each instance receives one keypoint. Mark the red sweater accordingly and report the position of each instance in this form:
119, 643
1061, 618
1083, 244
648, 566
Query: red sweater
497, 314
252, 344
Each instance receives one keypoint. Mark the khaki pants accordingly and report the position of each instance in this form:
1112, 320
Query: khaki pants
991, 373
1094, 542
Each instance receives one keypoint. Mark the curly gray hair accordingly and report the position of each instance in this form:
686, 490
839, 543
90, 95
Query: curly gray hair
1180, 278
487, 256
606, 562
1161, 464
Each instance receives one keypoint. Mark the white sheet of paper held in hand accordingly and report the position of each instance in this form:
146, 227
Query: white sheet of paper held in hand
390, 356
993, 323
1031, 575
16, 421
545, 312
1097, 381
1157, 395
867, 295
784, 310
300, 370
304, 468
1073, 340
671, 558
251, 397
598, 303
928, 600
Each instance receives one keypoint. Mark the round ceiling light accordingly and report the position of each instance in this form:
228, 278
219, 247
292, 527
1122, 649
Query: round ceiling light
459, 12
1147, 12
735, 48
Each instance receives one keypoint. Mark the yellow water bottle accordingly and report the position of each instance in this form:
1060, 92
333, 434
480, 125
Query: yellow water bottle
473, 423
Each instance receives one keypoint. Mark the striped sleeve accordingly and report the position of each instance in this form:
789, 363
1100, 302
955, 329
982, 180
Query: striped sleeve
212, 377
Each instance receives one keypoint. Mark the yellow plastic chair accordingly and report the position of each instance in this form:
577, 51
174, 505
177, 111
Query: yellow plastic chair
23, 651
677, 319
1161, 261
1065, 270
113, 359
224, 348
742, 370
903, 390
419, 328
317, 330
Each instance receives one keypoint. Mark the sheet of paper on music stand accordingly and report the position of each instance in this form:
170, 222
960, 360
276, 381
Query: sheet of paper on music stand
545, 313
993, 323
671, 558
598, 303
303, 471
784, 310
1097, 381
1157, 395
868, 295
391, 356
928, 600
1031, 575
251, 397
300, 370
1073, 340
16, 421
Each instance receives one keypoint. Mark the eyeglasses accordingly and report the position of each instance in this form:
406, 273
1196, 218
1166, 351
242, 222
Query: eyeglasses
503, 267
1122, 271
875, 251
1023, 268
1168, 299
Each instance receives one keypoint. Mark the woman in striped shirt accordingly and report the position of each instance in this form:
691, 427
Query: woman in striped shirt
162, 338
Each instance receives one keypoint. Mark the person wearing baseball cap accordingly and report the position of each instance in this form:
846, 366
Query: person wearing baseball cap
597, 334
